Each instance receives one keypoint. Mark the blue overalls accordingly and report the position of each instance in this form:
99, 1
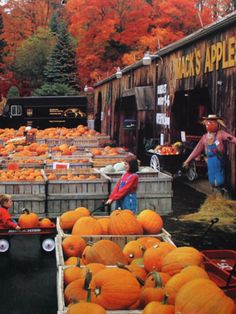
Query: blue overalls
215, 164
130, 200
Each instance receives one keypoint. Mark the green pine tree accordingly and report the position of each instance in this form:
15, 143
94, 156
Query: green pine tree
61, 66
53, 24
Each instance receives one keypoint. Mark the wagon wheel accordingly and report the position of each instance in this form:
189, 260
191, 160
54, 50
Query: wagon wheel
155, 163
4, 245
191, 172
48, 245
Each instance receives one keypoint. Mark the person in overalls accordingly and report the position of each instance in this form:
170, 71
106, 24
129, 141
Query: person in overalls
124, 192
213, 144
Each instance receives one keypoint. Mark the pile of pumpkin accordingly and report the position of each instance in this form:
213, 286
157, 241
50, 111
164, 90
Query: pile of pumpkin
29, 220
165, 280
24, 174
146, 274
120, 222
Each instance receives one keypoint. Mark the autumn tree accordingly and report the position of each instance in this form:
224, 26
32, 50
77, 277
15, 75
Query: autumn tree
105, 30
31, 57
2, 42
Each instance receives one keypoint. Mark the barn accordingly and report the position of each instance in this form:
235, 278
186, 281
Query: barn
167, 97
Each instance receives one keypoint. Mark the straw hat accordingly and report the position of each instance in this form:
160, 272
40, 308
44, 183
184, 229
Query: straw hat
214, 117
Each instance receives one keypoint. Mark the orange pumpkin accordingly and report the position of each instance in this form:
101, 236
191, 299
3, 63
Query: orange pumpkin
87, 226
73, 245
148, 242
151, 221
124, 223
115, 288
28, 220
68, 219
203, 296
153, 256
159, 307
178, 280
72, 273
132, 250
180, 258
46, 223
85, 308
149, 294
105, 252
156, 279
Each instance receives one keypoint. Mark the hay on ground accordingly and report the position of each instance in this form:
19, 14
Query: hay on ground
215, 206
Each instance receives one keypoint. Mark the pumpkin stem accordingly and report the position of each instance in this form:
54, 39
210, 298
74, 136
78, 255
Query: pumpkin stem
88, 299
25, 211
140, 281
165, 301
78, 264
157, 279
122, 266
87, 280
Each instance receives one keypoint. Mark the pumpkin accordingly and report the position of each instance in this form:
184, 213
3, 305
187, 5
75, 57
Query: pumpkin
105, 252
137, 271
73, 260
180, 258
73, 245
153, 256
203, 296
72, 273
87, 226
151, 221
85, 308
78, 289
178, 280
115, 288
156, 279
83, 211
148, 242
124, 223
149, 294
28, 220
159, 307
132, 250
68, 219
104, 222
46, 223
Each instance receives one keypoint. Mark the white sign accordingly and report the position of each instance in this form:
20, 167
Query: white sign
161, 139
183, 136
162, 119
163, 100
161, 89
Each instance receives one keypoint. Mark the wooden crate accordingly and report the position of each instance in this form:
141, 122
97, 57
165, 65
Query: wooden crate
63, 195
103, 139
62, 309
121, 240
86, 142
58, 141
28, 194
154, 191
74, 162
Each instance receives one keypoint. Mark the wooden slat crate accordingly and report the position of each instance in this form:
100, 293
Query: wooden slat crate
103, 140
62, 309
29, 194
88, 142
121, 240
63, 195
154, 191
58, 141
73, 162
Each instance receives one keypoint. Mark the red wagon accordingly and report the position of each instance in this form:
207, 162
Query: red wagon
46, 237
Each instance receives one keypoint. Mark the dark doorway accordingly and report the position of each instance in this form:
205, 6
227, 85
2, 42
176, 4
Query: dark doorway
97, 120
187, 111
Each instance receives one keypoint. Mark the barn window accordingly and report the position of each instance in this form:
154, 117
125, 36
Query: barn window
16, 110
